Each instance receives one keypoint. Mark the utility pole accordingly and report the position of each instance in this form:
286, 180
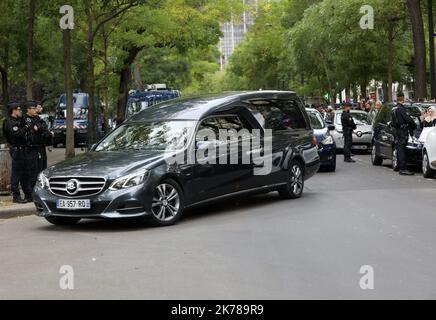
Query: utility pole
432, 51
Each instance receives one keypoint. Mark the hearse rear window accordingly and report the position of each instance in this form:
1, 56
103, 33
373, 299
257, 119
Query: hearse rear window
278, 115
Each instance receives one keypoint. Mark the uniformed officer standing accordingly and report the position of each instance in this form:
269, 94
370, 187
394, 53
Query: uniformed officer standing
37, 135
14, 130
403, 125
48, 142
348, 126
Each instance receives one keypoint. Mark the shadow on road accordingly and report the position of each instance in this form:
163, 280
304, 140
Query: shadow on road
223, 209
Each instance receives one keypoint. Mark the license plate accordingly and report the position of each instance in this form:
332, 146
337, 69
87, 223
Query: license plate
360, 147
73, 204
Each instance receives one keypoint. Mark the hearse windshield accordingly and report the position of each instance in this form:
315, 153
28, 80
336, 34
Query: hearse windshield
159, 135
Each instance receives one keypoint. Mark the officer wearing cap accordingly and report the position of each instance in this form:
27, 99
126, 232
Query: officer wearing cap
37, 135
348, 126
403, 124
15, 132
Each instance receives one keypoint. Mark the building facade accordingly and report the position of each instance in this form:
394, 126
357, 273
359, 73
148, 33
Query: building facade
235, 30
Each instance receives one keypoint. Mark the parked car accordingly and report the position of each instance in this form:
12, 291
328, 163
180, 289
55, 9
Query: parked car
429, 154
384, 142
423, 106
132, 172
362, 136
326, 143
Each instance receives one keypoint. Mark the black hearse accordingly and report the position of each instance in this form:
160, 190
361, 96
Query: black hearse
133, 171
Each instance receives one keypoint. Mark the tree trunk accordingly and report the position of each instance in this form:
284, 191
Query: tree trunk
414, 7
390, 66
5, 74
137, 77
385, 91
91, 80
125, 77
5, 85
69, 144
30, 36
106, 76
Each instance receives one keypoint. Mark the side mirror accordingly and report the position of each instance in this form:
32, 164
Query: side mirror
93, 147
331, 127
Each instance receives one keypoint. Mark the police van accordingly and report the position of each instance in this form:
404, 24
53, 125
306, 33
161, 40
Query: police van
80, 111
154, 94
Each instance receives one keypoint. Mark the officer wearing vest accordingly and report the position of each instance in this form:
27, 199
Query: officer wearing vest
403, 125
14, 130
348, 126
37, 135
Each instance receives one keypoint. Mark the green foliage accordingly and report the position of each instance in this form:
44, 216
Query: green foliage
319, 46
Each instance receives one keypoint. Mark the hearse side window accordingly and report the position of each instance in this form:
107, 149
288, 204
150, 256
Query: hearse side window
292, 109
231, 123
211, 124
279, 116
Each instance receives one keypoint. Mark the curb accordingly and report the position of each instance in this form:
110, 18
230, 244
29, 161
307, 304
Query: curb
17, 211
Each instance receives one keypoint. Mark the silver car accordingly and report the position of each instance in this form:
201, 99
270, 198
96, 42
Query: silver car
362, 136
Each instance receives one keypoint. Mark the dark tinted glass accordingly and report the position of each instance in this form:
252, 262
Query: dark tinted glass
231, 123
279, 115
384, 115
315, 120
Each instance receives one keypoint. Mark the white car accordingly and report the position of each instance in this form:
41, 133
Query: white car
362, 136
429, 154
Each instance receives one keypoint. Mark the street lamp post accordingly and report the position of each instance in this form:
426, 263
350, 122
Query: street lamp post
432, 51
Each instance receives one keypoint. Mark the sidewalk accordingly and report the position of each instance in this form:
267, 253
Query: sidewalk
10, 210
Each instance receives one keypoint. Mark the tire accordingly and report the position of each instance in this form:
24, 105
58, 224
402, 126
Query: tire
62, 221
295, 182
167, 205
332, 167
395, 160
427, 171
375, 159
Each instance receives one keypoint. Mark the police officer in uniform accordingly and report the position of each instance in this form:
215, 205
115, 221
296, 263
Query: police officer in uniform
403, 125
47, 142
15, 132
348, 126
37, 135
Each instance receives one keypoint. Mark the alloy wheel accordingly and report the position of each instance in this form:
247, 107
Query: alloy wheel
166, 202
395, 160
297, 181
425, 164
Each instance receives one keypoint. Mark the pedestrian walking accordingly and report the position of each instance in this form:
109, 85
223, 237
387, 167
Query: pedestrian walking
348, 126
403, 125
37, 135
14, 130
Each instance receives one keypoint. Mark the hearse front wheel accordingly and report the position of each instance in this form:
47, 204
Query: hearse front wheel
295, 182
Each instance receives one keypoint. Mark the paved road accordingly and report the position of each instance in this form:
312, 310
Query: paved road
259, 248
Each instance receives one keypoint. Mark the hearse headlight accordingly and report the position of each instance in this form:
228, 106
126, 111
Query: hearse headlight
129, 181
43, 181
328, 140
413, 140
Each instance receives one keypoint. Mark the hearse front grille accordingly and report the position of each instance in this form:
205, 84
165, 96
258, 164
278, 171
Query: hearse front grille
76, 187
